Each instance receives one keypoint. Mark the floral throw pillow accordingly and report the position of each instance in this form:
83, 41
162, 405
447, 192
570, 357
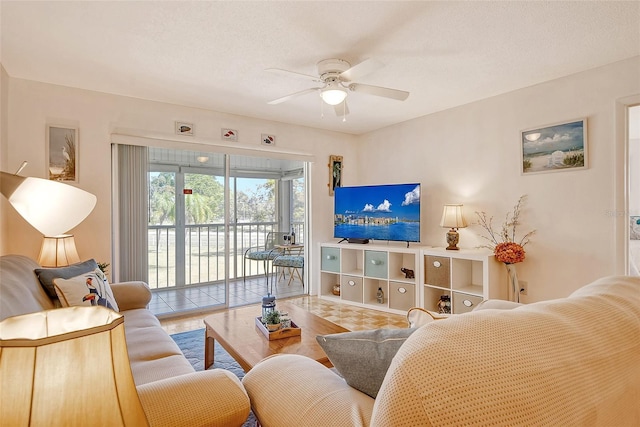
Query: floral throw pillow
86, 289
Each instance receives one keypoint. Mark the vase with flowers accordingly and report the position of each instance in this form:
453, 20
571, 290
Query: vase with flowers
504, 244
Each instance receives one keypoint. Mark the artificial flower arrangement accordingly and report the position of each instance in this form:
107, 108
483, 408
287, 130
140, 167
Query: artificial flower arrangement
504, 244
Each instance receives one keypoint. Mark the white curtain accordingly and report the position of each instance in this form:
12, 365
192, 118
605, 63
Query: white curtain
130, 212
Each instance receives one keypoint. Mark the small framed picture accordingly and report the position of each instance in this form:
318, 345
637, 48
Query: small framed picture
555, 148
335, 173
183, 128
267, 139
634, 231
229, 134
62, 153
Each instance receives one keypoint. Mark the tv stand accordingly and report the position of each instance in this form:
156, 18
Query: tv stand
352, 274
359, 270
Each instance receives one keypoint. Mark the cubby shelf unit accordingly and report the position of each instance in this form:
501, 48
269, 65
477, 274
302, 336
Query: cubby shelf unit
467, 276
361, 269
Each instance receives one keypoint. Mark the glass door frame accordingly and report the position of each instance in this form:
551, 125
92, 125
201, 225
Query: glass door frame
230, 217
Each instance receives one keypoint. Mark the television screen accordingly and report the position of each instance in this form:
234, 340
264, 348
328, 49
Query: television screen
380, 212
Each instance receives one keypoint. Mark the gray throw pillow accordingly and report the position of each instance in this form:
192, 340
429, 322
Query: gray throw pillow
48, 275
362, 358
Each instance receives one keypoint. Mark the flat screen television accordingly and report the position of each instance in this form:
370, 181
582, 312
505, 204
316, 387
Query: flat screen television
379, 212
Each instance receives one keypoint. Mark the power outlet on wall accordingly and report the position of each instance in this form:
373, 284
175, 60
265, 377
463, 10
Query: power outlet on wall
524, 287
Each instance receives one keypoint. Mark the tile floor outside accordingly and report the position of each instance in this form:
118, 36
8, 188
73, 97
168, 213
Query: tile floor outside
171, 302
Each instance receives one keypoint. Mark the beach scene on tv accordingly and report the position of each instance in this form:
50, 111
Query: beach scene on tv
554, 147
379, 212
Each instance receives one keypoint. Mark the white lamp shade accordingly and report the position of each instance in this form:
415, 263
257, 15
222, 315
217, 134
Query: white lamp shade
58, 251
67, 367
333, 94
51, 207
452, 217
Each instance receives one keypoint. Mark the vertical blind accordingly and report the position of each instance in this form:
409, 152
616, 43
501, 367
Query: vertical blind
131, 209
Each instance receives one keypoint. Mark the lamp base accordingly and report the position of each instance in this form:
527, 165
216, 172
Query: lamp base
452, 240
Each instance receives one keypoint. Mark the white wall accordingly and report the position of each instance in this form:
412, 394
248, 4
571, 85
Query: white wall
471, 155
32, 105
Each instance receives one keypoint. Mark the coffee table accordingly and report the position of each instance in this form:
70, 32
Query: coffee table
238, 334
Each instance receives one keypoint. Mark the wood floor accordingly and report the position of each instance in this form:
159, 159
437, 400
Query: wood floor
345, 315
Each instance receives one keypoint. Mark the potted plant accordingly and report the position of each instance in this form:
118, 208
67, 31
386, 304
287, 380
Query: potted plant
272, 320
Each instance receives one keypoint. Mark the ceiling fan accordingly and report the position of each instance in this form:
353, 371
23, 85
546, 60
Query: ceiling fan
337, 76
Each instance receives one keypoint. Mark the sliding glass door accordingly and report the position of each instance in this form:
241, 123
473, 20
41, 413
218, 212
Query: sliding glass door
198, 233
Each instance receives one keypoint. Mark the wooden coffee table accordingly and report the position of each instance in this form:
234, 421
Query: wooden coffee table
237, 333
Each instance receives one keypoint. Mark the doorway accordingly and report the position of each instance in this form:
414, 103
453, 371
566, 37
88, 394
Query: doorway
205, 211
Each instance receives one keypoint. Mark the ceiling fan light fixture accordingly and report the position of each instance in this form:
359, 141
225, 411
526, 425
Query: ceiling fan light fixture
333, 94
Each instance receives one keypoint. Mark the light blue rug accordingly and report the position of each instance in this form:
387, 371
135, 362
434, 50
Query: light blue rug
192, 345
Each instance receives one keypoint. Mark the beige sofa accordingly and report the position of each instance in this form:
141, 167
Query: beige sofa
568, 362
171, 392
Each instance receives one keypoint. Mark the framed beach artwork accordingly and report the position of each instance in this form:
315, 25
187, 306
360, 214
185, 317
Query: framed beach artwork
555, 148
62, 153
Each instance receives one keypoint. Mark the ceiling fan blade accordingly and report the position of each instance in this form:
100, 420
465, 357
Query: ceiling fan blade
341, 109
293, 74
367, 66
292, 95
386, 92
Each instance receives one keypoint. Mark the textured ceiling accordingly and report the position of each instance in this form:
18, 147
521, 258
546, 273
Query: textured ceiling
213, 54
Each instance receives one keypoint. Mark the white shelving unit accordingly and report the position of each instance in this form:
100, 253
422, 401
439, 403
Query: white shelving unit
467, 276
361, 269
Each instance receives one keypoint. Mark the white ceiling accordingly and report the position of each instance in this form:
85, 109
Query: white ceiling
212, 54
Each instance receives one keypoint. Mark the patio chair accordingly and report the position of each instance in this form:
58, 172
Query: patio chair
265, 253
294, 263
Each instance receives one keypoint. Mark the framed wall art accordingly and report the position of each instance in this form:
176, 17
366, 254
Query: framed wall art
555, 148
62, 153
267, 139
229, 134
183, 128
335, 173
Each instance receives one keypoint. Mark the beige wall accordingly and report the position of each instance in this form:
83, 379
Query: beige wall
471, 155
32, 105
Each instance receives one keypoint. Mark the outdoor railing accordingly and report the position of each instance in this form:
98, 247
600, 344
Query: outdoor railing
204, 252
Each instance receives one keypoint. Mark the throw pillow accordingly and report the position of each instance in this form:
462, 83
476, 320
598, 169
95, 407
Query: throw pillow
497, 304
86, 289
417, 317
362, 358
46, 276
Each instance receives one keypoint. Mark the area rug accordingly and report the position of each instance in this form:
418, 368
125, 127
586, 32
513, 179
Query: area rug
192, 345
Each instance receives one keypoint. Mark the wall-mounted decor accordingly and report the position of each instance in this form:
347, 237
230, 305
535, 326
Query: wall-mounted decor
335, 173
229, 134
62, 153
554, 148
266, 139
183, 128
634, 229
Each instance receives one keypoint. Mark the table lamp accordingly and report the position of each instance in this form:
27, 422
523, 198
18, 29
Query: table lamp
52, 208
67, 367
452, 218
